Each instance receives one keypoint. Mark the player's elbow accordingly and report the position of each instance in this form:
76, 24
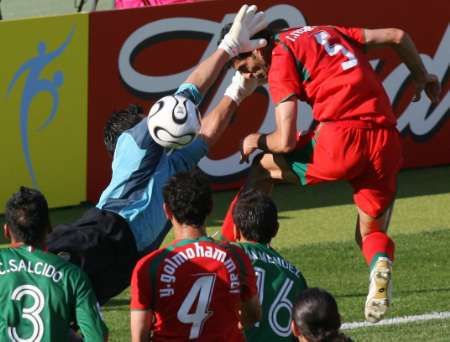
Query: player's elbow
287, 145
251, 312
395, 36
385, 37
251, 320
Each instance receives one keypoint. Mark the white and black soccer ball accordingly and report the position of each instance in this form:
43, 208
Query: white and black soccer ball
173, 121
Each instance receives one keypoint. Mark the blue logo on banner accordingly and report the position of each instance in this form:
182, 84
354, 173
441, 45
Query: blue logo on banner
34, 85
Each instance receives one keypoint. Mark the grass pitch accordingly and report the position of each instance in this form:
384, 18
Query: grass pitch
316, 234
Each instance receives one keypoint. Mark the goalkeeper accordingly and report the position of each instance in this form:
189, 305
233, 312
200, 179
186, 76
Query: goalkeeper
129, 220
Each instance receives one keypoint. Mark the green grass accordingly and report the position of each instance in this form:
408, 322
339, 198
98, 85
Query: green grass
435, 331
316, 234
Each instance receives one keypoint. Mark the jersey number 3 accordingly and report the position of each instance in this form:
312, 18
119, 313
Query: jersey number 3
322, 38
200, 293
30, 313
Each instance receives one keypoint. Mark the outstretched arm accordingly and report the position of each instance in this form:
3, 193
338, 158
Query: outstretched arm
402, 43
215, 122
206, 73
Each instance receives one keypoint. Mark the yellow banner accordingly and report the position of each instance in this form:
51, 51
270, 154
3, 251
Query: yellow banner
43, 107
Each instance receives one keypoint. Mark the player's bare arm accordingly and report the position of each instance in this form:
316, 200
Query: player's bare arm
250, 312
283, 139
215, 123
402, 43
207, 72
141, 322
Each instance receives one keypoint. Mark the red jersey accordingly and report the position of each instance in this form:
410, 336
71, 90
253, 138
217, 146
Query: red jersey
326, 67
194, 288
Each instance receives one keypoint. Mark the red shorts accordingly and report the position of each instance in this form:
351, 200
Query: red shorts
368, 157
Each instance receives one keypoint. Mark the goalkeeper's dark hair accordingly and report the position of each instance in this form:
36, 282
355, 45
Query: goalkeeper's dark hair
26, 214
317, 318
119, 122
256, 216
188, 195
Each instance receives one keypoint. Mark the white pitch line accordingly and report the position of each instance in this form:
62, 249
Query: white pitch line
398, 320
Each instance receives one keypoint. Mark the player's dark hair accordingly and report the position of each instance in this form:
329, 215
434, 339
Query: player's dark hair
317, 317
256, 216
119, 122
26, 214
189, 197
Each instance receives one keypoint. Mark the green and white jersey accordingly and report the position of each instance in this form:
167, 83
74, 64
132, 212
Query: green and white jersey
279, 284
41, 294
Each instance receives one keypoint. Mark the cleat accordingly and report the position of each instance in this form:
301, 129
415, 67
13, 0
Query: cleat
379, 297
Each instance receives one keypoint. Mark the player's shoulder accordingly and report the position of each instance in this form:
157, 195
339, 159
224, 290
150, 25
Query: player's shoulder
236, 252
230, 246
134, 136
61, 262
58, 263
152, 258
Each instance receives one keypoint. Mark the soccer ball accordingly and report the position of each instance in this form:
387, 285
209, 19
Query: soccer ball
173, 121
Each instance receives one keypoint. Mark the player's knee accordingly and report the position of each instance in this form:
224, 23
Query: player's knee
258, 168
358, 238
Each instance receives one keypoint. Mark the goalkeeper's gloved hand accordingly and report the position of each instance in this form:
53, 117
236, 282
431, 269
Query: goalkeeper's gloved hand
240, 87
247, 22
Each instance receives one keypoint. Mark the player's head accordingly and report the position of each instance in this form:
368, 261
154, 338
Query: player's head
256, 217
188, 198
119, 122
256, 64
26, 216
316, 317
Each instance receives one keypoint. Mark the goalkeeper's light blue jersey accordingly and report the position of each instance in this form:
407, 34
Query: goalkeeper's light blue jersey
140, 169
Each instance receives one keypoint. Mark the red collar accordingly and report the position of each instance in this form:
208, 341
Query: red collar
22, 244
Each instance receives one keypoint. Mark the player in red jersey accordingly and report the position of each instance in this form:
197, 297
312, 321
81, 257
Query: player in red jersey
194, 288
356, 137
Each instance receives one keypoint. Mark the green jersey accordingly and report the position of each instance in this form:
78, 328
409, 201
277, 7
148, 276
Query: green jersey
41, 294
279, 284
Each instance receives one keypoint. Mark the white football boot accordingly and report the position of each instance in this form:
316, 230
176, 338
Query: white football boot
380, 287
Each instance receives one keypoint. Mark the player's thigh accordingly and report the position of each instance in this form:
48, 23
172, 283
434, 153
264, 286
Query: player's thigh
375, 190
102, 244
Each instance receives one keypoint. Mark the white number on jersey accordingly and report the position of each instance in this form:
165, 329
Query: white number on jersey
280, 302
332, 50
31, 313
260, 277
202, 290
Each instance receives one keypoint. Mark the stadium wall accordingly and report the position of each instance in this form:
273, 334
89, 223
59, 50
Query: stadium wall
43, 101
139, 55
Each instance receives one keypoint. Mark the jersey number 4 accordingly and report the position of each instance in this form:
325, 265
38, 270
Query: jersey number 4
200, 293
279, 303
322, 38
30, 313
